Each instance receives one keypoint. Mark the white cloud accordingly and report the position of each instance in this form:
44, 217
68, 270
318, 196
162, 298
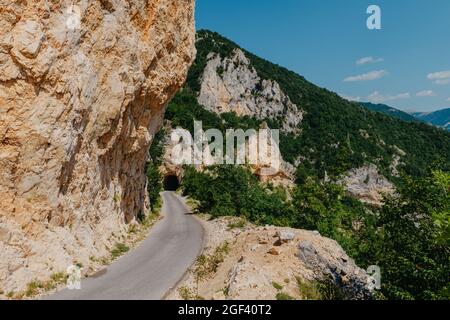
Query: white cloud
350, 98
426, 93
440, 77
377, 97
370, 76
448, 99
442, 81
366, 60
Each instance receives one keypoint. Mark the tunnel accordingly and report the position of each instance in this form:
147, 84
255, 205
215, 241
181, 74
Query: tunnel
171, 183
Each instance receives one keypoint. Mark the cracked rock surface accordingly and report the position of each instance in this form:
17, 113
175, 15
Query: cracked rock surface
83, 89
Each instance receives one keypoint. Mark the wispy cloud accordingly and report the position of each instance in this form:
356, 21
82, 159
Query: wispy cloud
448, 99
426, 93
440, 77
442, 81
370, 76
367, 60
350, 98
377, 97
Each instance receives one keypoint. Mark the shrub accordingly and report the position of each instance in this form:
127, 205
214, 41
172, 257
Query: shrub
284, 296
277, 285
119, 250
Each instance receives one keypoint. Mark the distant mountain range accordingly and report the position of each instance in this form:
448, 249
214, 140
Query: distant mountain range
390, 111
440, 118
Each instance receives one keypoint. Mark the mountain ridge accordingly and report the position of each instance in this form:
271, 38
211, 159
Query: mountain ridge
439, 118
389, 110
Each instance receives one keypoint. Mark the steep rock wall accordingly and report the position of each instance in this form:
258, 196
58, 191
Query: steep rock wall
233, 85
83, 89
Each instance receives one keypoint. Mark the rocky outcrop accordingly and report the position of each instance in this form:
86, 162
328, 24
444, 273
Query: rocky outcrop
231, 84
83, 89
262, 262
367, 184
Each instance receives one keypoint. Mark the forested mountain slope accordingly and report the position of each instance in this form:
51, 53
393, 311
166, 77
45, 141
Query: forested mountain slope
388, 110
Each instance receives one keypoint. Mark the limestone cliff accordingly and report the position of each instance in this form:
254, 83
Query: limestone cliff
233, 85
367, 184
83, 89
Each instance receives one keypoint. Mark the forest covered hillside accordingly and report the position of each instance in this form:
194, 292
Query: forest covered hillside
388, 110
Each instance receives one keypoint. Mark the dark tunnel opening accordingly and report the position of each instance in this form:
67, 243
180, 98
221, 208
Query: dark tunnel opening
171, 183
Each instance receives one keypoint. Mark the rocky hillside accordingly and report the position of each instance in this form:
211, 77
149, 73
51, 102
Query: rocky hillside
323, 134
231, 84
83, 89
245, 262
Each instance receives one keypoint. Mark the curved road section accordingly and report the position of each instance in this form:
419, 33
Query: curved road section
154, 267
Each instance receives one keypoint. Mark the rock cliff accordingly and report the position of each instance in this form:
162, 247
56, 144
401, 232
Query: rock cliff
83, 89
367, 184
232, 85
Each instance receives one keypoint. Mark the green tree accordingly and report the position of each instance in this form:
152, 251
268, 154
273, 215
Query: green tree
414, 254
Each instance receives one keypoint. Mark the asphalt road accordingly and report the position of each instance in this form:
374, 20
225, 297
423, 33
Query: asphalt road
149, 271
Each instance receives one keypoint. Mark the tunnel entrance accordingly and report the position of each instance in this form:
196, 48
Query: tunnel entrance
171, 183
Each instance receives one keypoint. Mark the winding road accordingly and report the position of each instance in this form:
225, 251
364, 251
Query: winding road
149, 271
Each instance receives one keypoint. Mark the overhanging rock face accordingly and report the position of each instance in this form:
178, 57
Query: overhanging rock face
83, 89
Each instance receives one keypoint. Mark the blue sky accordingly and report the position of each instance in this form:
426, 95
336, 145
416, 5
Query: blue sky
323, 40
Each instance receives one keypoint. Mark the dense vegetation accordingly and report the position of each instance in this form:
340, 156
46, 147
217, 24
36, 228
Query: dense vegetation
413, 248
408, 238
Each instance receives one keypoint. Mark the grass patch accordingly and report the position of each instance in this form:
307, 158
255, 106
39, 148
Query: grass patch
284, 296
329, 290
33, 288
188, 294
308, 290
193, 204
151, 218
59, 277
208, 264
119, 250
277, 285
117, 198
239, 224
319, 290
36, 287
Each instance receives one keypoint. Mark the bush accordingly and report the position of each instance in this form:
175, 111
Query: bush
284, 296
119, 250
